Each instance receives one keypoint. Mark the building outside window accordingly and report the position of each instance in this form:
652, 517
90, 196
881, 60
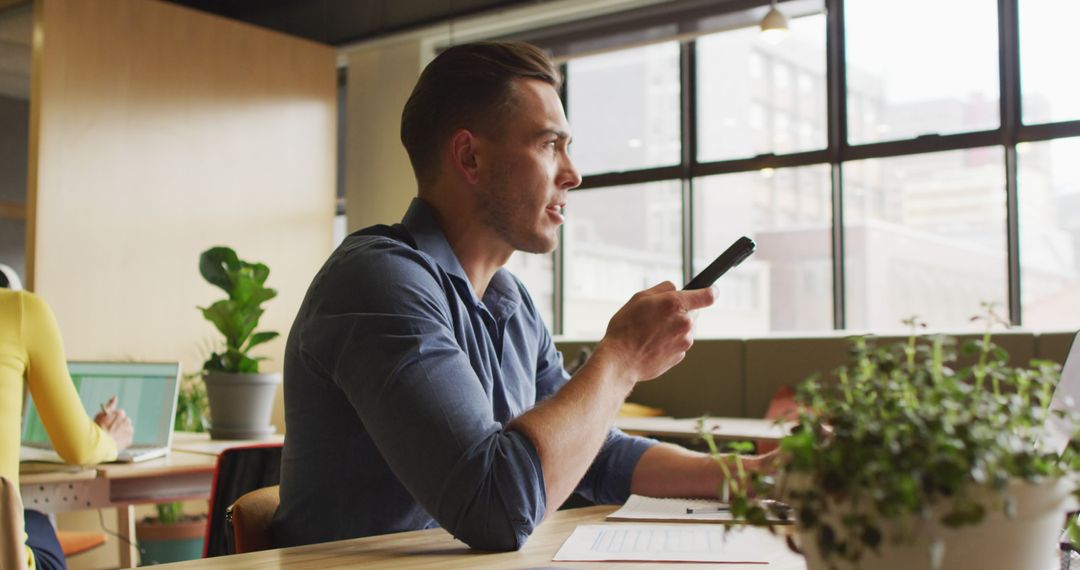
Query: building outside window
687, 144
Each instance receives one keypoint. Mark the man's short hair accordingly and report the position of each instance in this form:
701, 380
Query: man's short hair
467, 86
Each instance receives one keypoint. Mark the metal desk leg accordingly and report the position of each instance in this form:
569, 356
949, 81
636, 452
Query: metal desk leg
125, 517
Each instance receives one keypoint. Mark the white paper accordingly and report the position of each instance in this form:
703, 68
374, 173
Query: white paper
666, 543
649, 509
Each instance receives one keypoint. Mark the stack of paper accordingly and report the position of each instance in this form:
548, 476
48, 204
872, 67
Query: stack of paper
650, 509
667, 543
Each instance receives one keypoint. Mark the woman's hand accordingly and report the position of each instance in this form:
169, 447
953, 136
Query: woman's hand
115, 423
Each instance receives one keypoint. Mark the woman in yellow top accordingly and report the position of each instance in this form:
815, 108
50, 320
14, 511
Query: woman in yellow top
32, 353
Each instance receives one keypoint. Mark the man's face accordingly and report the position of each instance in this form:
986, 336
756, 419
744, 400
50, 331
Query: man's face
527, 170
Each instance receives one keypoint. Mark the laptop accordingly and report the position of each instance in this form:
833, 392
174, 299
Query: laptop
1066, 398
146, 392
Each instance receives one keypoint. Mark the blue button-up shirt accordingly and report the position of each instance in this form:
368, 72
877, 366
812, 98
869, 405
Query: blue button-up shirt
399, 384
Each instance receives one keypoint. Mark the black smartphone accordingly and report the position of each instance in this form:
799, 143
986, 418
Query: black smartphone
732, 256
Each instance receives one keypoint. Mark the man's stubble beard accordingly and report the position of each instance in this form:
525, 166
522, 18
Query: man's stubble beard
498, 212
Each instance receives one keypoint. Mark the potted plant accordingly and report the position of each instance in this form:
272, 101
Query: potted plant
241, 399
909, 461
172, 535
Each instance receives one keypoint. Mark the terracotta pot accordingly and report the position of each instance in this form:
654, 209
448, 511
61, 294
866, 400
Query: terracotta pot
160, 543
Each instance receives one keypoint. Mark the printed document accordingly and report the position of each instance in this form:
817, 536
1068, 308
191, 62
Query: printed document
667, 543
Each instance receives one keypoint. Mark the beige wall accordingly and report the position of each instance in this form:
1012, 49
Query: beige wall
160, 132
379, 182
157, 132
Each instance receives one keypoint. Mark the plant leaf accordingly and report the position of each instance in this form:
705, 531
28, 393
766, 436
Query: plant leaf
215, 265
259, 338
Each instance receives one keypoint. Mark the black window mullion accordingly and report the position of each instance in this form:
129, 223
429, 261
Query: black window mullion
1032, 133
1009, 79
759, 162
688, 136
836, 86
922, 145
558, 259
631, 177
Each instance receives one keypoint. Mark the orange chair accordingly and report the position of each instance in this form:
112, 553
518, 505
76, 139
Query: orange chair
76, 542
250, 517
239, 470
782, 407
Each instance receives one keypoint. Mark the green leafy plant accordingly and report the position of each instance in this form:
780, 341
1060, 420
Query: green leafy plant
903, 429
191, 407
237, 316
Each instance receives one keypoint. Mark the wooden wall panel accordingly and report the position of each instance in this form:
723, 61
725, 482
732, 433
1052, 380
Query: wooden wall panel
157, 132
379, 179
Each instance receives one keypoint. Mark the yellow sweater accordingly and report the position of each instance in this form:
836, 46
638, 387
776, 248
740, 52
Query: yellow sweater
31, 351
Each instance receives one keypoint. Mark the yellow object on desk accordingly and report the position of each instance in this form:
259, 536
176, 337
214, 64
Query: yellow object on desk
632, 410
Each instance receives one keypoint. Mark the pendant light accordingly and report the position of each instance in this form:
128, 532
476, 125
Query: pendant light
774, 26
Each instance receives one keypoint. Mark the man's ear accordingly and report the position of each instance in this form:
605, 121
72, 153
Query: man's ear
463, 155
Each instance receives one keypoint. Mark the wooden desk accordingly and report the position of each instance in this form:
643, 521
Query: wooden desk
186, 474
53, 488
721, 428
437, 549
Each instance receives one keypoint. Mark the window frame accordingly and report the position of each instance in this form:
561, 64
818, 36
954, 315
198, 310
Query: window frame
1010, 132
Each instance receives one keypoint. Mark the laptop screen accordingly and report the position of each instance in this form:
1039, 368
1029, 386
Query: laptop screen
1066, 398
145, 391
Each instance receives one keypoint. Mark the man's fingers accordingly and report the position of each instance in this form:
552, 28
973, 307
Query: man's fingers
697, 298
659, 288
111, 404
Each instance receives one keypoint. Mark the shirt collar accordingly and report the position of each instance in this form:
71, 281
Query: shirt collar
501, 297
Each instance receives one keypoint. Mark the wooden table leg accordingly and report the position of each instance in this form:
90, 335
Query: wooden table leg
125, 517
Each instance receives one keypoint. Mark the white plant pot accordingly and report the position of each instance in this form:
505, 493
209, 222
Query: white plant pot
1028, 541
241, 404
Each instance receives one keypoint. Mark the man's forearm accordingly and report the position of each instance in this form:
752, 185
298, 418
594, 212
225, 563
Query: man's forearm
667, 470
646, 337
569, 428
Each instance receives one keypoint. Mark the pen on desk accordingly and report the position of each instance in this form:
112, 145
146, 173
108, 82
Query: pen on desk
710, 509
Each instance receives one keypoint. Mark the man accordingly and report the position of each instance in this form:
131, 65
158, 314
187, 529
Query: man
421, 387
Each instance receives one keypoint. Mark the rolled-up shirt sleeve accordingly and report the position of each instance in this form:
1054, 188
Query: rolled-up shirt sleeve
387, 342
608, 479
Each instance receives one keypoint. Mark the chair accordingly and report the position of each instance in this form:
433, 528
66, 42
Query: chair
74, 542
782, 406
250, 516
12, 545
239, 470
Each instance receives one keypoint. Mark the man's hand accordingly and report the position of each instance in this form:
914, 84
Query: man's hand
654, 329
115, 423
648, 335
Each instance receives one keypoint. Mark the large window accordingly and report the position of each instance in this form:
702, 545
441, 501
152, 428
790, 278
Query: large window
1050, 233
618, 241
1048, 46
890, 159
625, 107
756, 97
924, 236
787, 284
537, 272
908, 74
